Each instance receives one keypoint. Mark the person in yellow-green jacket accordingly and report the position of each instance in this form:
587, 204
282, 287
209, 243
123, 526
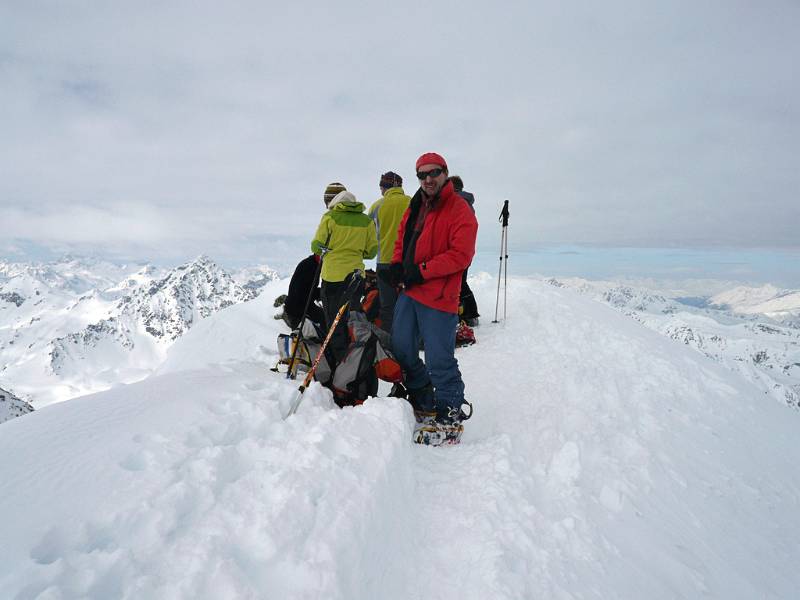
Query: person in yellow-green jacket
387, 212
349, 236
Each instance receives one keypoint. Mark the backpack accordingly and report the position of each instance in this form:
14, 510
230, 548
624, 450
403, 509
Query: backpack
306, 353
372, 306
368, 359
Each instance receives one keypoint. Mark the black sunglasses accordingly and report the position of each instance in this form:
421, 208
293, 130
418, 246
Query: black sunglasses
422, 175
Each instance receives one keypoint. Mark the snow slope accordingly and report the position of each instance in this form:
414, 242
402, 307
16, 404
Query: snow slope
756, 347
603, 461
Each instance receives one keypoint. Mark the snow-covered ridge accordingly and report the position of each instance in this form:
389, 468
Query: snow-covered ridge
603, 461
778, 304
73, 274
749, 342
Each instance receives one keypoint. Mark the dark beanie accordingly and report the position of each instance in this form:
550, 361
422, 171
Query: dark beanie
331, 191
390, 179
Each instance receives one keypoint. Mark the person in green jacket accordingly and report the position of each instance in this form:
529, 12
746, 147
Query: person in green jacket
387, 212
350, 238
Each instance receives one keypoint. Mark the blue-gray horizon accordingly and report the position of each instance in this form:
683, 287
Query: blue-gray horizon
708, 270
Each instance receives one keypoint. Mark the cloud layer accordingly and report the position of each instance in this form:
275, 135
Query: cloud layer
189, 127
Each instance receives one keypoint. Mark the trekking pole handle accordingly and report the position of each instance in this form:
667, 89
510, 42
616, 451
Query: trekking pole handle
504, 214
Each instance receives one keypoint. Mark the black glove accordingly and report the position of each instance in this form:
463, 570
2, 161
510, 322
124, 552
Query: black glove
393, 275
412, 275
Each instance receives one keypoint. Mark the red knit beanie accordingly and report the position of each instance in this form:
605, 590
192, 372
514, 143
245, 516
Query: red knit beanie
431, 158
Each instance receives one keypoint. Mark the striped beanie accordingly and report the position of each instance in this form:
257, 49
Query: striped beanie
331, 191
390, 179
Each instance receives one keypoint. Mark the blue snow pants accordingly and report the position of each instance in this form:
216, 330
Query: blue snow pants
437, 330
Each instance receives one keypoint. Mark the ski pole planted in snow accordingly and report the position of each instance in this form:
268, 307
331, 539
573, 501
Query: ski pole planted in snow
504, 214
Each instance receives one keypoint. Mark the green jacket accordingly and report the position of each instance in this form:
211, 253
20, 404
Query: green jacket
352, 238
387, 212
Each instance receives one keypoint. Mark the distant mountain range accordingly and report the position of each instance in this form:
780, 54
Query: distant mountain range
780, 305
78, 326
752, 331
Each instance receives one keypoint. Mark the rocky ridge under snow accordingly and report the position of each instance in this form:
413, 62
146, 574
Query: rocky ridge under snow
12, 407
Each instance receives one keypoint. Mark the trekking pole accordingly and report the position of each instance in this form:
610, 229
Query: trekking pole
504, 214
310, 375
505, 265
323, 251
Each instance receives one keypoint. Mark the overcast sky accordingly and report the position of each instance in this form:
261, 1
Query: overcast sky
173, 128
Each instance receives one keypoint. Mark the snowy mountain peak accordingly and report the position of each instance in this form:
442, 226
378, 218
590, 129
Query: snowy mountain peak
169, 306
134, 337
253, 279
143, 276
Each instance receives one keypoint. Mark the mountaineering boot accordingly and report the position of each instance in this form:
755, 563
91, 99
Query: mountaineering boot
421, 399
435, 432
398, 391
425, 427
444, 429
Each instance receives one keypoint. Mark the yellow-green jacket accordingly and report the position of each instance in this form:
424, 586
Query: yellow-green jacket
352, 238
387, 212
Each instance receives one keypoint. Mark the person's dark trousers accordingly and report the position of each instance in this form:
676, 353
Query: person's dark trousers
388, 296
315, 314
467, 299
334, 295
412, 321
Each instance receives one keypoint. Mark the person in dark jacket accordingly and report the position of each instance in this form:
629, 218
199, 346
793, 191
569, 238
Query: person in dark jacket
468, 307
304, 281
435, 243
458, 184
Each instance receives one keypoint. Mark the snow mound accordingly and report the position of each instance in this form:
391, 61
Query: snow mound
603, 461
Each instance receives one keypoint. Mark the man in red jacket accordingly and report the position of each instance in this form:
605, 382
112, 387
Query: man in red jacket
435, 243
